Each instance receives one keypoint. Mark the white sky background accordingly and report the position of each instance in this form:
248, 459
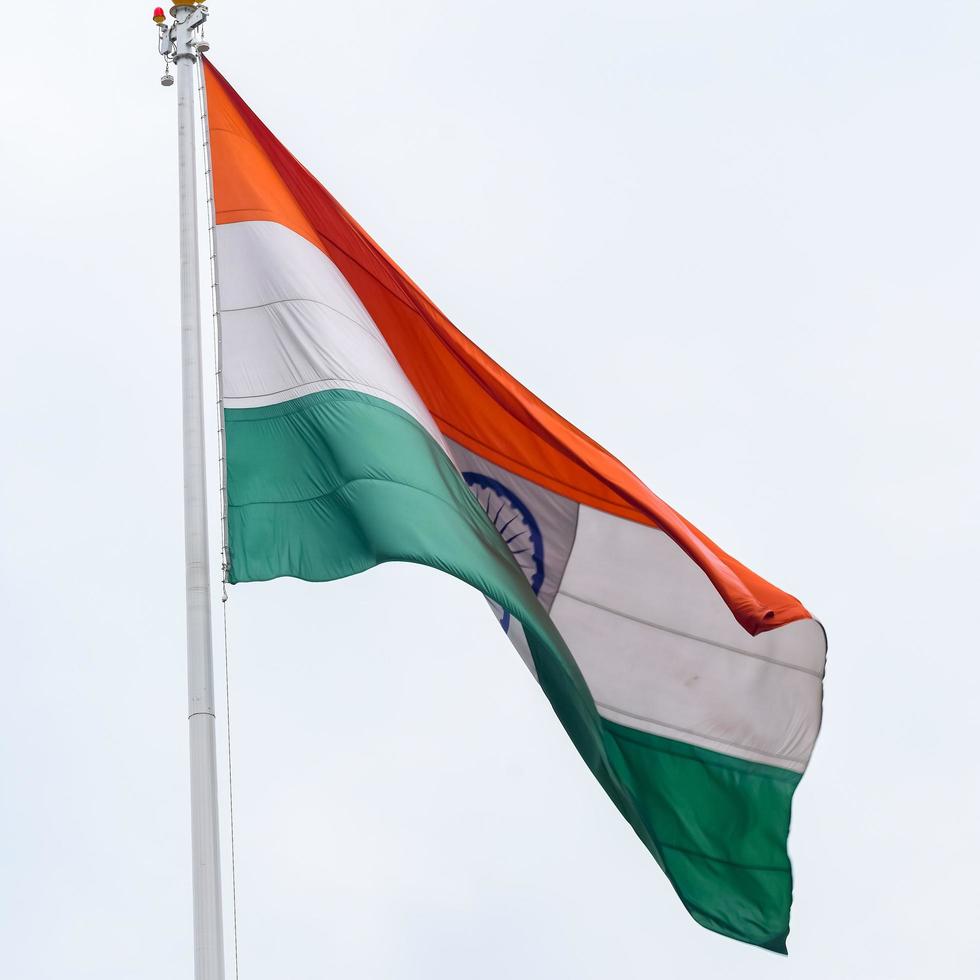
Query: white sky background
738, 243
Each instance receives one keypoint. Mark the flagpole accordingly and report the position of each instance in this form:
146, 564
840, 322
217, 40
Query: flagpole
205, 847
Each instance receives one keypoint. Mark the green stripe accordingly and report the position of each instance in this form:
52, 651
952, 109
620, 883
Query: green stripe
721, 827
337, 482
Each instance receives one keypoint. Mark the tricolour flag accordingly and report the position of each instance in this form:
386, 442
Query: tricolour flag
363, 427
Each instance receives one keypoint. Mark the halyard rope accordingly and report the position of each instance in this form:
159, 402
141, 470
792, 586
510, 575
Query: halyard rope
231, 793
222, 488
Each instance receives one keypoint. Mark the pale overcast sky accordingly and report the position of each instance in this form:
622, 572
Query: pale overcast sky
738, 243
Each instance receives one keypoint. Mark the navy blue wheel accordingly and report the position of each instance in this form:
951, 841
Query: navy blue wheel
516, 525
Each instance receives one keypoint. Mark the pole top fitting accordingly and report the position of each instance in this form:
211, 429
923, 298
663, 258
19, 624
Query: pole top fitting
189, 16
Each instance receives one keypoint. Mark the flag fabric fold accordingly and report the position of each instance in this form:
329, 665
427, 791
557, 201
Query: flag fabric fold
363, 427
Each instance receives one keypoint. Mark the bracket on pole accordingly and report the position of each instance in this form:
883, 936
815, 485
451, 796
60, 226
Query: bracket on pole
184, 38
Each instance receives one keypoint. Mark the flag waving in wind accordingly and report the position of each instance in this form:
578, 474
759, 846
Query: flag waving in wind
363, 427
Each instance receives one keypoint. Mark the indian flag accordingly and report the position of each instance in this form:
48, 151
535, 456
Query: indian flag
363, 427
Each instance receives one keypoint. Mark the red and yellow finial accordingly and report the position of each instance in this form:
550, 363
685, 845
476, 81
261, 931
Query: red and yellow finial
158, 15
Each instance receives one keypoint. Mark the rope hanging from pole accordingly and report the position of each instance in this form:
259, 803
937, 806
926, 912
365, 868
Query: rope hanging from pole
222, 477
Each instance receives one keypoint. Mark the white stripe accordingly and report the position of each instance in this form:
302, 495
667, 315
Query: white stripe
516, 635
683, 689
661, 651
292, 325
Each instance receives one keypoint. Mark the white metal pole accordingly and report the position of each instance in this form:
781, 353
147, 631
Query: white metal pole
208, 932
